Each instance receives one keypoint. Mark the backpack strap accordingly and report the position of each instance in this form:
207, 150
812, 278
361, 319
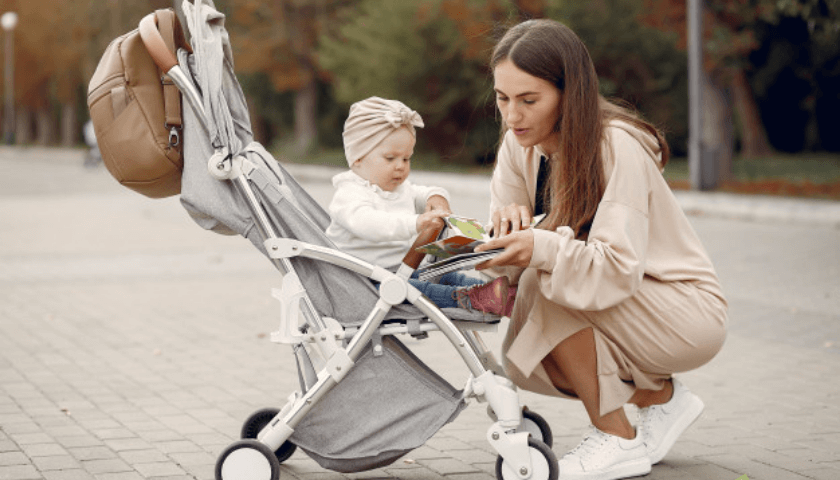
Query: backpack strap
161, 33
171, 96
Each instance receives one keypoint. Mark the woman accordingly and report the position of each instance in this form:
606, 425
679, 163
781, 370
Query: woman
616, 292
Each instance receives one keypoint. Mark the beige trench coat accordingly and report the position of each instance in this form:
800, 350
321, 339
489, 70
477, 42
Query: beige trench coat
642, 280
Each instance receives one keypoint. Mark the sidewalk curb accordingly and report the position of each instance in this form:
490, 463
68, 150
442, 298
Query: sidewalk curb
758, 208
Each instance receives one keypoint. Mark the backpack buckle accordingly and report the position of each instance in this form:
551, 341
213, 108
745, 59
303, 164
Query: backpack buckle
174, 137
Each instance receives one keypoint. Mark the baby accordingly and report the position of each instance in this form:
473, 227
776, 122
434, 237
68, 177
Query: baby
377, 213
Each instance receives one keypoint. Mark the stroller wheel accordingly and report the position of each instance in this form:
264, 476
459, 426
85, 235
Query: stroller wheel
543, 464
247, 460
536, 425
257, 421
533, 423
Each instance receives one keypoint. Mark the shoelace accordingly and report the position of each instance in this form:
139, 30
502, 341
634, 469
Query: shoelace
590, 444
647, 416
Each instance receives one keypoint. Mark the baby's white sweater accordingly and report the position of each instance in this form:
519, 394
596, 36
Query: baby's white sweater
375, 225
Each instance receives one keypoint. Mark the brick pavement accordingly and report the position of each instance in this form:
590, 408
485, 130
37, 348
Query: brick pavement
133, 344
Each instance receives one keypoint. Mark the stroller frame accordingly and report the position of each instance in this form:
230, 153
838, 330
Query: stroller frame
522, 443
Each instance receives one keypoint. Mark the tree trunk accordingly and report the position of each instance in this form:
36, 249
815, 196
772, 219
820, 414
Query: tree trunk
259, 127
718, 142
69, 125
306, 108
23, 125
301, 23
45, 132
754, 141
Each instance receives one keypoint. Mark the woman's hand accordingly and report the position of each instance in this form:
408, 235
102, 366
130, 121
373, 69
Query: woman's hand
518, 249
432, 218
509, 219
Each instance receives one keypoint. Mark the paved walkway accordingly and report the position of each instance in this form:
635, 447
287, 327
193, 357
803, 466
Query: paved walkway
133, 344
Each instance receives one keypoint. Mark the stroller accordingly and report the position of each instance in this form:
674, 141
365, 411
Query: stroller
365, 399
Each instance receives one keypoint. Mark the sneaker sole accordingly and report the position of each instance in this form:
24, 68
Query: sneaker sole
691, 414
632, 468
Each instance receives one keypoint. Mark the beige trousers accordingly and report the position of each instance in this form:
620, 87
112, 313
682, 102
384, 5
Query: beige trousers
665, 328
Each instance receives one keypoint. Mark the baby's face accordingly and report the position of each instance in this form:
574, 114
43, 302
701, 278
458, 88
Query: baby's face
389, 163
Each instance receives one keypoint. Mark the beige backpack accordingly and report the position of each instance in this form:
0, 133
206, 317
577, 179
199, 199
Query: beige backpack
136, 109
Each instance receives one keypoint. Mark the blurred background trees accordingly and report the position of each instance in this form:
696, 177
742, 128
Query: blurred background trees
773, 66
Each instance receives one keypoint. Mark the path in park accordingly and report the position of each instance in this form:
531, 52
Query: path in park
133, 344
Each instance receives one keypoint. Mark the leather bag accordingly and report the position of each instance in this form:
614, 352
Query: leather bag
136, 109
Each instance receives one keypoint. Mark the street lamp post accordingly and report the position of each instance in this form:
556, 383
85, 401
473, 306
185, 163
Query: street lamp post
695, 94
9, 22
702, 160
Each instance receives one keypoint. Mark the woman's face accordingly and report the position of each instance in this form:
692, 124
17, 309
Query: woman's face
529, 106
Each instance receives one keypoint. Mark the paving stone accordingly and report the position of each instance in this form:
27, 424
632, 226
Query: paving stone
78, 441
447, 466
471, 476
19, 472
158, 469
753, 469
13, 458
92, 453
119, 476
111, 465
318, 475
43, 449
142, 456
59, 462
822, 473
416, 474
68, 474
179, 446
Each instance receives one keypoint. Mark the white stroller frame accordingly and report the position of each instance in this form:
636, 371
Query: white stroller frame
522, 443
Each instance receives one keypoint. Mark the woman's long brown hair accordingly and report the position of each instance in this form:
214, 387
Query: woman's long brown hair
549, 50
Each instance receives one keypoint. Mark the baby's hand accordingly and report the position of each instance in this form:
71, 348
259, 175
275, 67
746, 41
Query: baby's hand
432, 218
437, 202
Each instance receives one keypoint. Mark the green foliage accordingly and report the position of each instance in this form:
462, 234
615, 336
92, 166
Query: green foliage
414, 52
635, 63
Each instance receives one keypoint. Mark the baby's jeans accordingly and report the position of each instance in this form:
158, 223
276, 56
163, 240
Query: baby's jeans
442, 293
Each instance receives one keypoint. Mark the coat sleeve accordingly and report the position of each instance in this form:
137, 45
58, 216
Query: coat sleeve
354, 210
608, 267
422, 193
508, 184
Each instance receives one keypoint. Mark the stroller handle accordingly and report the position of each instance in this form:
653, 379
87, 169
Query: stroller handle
413, 257
162, 54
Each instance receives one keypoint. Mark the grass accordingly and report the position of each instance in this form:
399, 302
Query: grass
815, 175
815, 168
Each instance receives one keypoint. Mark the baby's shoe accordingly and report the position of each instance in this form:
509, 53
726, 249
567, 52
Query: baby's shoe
490, 297
511, 300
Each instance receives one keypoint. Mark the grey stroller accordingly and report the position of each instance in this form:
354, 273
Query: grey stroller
365, 399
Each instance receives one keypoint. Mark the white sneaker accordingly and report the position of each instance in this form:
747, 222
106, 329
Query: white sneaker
661, 425
601, 456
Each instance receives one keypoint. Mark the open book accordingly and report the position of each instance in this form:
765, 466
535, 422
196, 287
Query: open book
455, 247
459, 235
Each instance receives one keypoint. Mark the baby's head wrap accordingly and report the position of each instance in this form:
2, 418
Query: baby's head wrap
373, 119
